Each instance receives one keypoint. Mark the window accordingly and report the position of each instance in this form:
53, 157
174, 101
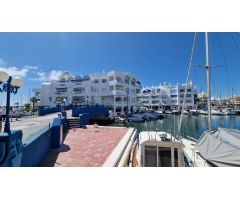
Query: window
78, 90
59, 90
119, 80
119, 88
187, 101
175, 157
118, 99
95, 81
187, 95
174, 95
150, 156
127, 79
133, 81
104, 80
181, 90
164, 96
78, 99
111, 78
50, 98
164, 156
111, 88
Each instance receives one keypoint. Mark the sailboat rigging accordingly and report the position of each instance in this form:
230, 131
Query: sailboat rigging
216, 147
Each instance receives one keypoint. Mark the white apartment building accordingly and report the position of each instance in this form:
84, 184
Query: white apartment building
167, 96
117, 90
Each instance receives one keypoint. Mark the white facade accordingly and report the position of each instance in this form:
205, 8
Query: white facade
117, 90
167, 96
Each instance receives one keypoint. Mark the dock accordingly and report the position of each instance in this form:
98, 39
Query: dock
93, 147
32, 124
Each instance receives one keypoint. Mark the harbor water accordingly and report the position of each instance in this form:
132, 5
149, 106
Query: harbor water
192, 126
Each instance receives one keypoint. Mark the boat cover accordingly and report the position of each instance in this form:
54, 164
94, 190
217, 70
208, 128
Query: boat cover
221, 147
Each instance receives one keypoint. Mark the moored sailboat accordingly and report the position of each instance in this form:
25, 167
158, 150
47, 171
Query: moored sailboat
216, 147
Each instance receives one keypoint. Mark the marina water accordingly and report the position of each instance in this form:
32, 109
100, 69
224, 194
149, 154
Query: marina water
192, 126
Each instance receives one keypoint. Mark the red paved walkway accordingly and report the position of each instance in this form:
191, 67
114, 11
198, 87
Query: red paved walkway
88, 147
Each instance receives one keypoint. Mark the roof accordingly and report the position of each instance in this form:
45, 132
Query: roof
220, 147
155, 136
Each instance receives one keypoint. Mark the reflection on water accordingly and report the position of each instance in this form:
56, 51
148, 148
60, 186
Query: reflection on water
192, 125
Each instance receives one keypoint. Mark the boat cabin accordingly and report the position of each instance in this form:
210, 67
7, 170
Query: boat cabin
157, 149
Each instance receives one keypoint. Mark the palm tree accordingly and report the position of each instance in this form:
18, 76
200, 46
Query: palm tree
27, 107
34, 101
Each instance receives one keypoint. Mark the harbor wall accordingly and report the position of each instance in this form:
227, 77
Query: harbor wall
15, 152
90, 109
45, 111
37, 145
11, 149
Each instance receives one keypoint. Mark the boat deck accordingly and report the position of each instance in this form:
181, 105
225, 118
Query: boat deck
89, 147
193, 154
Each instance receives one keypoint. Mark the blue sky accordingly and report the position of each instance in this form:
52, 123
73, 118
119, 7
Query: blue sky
153, 57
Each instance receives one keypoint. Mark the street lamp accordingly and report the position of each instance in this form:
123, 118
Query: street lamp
64, 102
10, 85
87, 99
58, 101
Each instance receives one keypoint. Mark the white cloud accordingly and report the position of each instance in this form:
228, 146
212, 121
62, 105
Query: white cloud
2, 63
31, 67
47, 76
15, 71
32, 72
41, 76
54, 74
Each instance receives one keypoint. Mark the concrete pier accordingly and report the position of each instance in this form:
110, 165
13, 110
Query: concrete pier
93, 147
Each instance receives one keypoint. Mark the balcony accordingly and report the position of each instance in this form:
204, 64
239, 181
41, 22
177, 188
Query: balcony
77, 92
60, 93
116, 82
119, 92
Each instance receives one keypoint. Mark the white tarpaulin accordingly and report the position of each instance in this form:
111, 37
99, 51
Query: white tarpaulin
221, 147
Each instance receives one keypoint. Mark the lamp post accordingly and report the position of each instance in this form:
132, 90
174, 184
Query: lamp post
58, 101
64, 102
10, 85
87, 99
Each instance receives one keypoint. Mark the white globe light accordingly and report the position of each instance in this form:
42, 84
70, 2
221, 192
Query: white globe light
17, 82
3, 76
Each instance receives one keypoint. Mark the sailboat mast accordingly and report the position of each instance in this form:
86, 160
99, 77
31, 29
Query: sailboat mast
208, 82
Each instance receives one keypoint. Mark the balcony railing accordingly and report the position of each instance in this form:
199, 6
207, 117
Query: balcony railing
60, 93
77, 92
